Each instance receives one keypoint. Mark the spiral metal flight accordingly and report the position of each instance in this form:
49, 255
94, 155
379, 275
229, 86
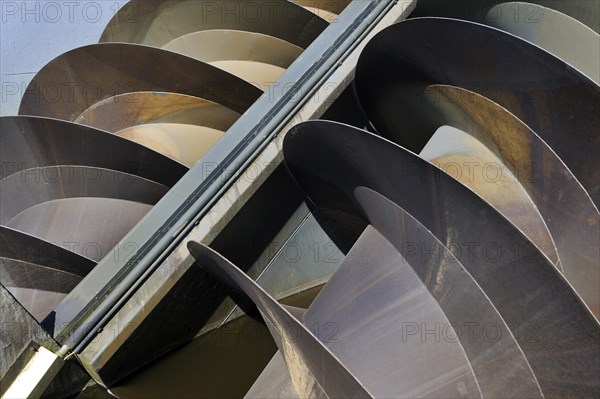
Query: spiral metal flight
466, 204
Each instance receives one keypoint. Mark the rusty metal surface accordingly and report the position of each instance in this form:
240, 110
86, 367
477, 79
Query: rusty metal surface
90, 227
523, 285
558, 103
314, 370
34, 186
139, 108
157, 22
31, 142
74, 81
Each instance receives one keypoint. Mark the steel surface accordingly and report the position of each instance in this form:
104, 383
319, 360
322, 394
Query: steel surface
31, 142
368, 314
555, 32
497, 360
139, 108
585, 11
183, 143
75, 80
558, 103
331, 6
522, 284
38, 289
328, 10
157, 22
314, 370
256, 58
31, 187
273, 382
388, 295
469, 161
88, 226
513, 169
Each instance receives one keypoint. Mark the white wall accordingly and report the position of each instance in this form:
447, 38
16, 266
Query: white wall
32, 33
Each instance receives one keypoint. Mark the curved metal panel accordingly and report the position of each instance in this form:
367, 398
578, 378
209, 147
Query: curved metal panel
90, 227
473, 164
273, 382
139, 108
585, 11
31, 187
183, 143
32, 142
75, 80
388, 295
256, 58
38, 289
567, 210
373, 305
259, 74
497, 361
522, 284
556, 193
157, 22
314, 370
555, 32
225, 45
38, 273
23, 247
560, 104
